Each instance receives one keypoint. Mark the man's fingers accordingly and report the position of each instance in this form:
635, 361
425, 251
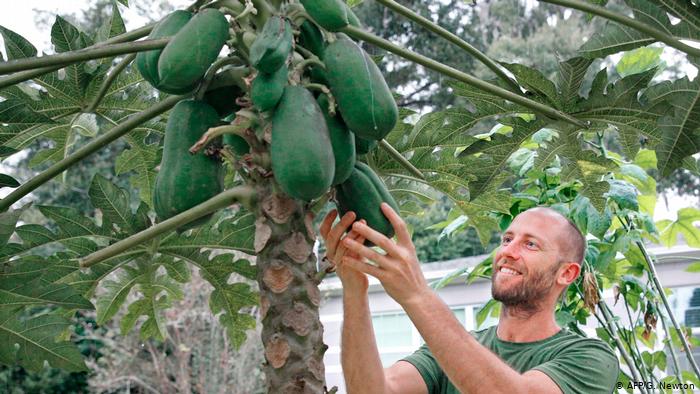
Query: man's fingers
338, 230
327, 223
362, 267
366, 252
376, 238
399, 225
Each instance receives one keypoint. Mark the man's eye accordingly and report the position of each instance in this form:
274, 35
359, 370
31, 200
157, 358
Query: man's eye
505, 240
531, 244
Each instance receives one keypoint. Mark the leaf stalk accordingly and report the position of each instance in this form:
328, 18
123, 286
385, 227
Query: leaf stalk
627, 21
80, 55
242, 194
461, 76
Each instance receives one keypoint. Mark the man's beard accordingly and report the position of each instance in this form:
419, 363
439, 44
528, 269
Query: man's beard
525, 298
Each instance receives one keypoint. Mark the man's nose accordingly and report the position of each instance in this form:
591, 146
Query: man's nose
510, 251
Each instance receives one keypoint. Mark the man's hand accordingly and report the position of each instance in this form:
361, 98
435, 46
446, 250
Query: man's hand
352, 280
398, 270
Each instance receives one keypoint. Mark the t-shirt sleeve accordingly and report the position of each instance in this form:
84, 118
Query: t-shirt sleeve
587, 367
428, 367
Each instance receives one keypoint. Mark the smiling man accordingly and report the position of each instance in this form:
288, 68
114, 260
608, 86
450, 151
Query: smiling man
527, 352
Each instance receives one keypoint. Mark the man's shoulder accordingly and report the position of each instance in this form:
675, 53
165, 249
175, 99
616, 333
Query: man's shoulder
576, 342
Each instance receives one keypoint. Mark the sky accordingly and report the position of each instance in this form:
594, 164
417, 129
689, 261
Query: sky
20, 18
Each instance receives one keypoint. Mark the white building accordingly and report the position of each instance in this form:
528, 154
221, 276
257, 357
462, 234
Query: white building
397, 337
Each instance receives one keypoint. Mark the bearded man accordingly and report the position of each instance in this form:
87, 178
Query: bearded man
527, 352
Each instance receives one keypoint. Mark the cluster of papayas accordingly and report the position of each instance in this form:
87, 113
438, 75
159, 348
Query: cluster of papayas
320, 96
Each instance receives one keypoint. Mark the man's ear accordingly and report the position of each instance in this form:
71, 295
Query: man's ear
569, 273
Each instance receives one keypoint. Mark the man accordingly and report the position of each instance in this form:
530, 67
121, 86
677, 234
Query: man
527, 352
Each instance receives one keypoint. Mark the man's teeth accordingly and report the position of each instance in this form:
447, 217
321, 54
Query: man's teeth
509, 271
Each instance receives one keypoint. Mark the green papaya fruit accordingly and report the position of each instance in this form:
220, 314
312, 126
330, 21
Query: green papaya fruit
331, 15
191, 51
266, 89
237, 143
311, 38
364, 146
364, 99
301, 150
363, 193
147, 62
186, 180
272, 46
223, 99
342, 140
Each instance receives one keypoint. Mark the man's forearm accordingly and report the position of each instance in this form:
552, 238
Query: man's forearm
466, 362
359, 356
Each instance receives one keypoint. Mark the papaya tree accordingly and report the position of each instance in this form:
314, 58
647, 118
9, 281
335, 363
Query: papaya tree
243, 119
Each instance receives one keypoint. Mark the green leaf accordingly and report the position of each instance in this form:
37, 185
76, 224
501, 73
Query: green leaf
8, 181
142, 158
227, 299
683, 10
125, 2
616, 38
16, 46
624, 194
113, 28
112, 201
159, 292
235, 233
570, 76
677, 104
14, 294
116, 291
15, 111
618, 105
578, 164
533, 81
32, 341
66, 37
639, 60
669, 230
8, 221
491, 308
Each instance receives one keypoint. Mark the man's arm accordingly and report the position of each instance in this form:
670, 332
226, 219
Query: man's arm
359, 355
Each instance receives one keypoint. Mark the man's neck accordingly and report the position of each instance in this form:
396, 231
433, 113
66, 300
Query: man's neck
514, 326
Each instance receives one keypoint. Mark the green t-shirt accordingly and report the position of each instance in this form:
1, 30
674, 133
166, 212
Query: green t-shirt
576, 363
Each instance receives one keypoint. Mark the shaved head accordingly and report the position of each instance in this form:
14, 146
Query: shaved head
572, 243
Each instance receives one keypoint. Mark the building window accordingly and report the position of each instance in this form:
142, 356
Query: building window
685, 303
397, 337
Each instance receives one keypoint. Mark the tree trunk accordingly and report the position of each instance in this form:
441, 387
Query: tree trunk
292, 332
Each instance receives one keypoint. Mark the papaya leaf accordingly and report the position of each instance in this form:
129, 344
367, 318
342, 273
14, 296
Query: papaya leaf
142, 158
30, 342
578, 164
677, 104
682, 10
14, 110
8, 181
624, 194
159, 292
113, 202
639, 60
617, 105
116, 291
16, 46
617, 38
536, 83
114, 27
14, 294
235, 233
66, 37
8, 221
570, 76
670, 229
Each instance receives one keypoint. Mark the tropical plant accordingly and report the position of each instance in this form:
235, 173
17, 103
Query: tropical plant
557, 140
